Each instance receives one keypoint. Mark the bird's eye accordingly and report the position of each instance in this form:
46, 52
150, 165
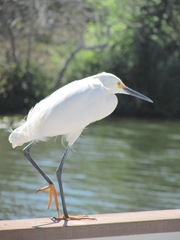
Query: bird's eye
120, 85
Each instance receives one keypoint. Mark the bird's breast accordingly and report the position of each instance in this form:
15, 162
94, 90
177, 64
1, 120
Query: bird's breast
105, 106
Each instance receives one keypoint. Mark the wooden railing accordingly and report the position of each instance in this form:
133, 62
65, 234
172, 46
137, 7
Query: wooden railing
105, 225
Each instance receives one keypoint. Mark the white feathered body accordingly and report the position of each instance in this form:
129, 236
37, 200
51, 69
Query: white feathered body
67, 112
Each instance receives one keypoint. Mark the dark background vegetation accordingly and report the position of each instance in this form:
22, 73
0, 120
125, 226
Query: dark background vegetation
45, 44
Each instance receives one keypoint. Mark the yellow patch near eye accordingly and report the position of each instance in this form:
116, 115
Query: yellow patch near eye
120, 84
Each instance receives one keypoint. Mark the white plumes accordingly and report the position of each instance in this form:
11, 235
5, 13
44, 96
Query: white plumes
18, 137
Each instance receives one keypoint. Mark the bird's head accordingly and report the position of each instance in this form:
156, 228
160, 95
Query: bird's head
115, 85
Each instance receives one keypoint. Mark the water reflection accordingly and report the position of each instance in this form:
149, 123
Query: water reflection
115, 166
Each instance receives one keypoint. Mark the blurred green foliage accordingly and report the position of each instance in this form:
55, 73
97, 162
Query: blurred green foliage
21, 89
147, 58
142, 41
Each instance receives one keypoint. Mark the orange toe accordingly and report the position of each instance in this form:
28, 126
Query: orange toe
73, 218
52, 193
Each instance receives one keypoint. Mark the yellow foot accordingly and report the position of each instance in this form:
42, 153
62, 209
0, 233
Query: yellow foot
73, 218
52, 193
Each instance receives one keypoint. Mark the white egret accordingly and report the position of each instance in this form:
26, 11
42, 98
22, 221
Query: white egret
67, 112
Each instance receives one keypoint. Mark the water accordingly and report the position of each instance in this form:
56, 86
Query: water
116, 166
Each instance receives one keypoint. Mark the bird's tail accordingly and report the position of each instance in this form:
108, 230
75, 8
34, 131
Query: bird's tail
18, 137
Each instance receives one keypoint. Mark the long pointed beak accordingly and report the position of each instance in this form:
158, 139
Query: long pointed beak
132, 92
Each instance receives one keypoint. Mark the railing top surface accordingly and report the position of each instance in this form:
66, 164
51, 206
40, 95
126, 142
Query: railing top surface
105, 225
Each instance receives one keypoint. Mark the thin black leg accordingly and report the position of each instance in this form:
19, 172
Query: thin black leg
27, 155
59, 178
